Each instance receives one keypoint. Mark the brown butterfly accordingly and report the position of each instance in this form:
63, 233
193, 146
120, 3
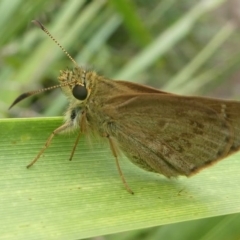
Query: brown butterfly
158, 131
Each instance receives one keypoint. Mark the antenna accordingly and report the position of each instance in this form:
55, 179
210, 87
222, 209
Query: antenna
31, 93
37, 23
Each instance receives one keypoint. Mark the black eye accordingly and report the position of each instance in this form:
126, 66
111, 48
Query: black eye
80, 92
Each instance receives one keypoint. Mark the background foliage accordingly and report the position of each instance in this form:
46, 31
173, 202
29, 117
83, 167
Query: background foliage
187, 47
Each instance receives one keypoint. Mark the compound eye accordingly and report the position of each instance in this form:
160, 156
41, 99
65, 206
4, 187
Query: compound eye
80, 92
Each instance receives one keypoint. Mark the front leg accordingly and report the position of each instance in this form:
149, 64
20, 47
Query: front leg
56, 131
83, 129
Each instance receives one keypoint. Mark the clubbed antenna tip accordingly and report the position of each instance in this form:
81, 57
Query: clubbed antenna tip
28, 94
20, 98
37, 23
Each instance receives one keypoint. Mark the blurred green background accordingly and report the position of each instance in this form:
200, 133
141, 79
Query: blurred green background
188, 47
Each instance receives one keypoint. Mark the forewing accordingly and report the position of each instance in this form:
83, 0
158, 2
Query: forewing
138, 88
172, 135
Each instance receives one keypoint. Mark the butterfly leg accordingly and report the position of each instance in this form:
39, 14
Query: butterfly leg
83, 129
75, 145
56, 131
114, 152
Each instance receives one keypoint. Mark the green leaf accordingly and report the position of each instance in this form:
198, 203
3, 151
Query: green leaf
59, 199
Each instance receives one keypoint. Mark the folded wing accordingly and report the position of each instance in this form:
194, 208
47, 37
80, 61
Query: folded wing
174, 135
